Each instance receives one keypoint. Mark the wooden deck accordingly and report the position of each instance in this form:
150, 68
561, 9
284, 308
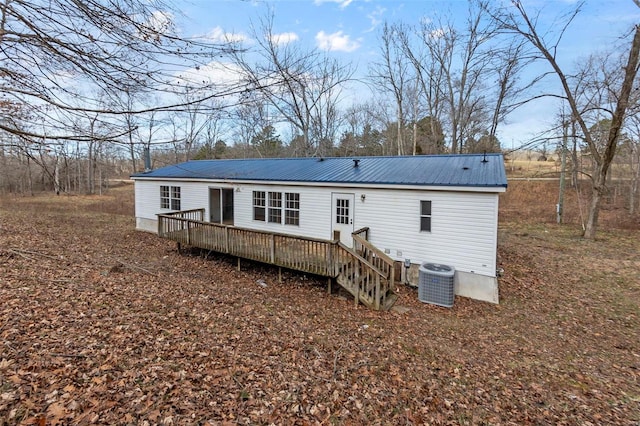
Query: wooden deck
365, 271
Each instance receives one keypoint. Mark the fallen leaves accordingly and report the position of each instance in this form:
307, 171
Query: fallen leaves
102, 325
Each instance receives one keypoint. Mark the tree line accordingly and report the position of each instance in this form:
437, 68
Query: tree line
89, 87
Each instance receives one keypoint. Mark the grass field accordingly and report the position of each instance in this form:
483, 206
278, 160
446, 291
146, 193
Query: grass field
102, 324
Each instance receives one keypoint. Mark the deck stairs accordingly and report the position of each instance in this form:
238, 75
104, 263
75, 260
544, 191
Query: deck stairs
366, 272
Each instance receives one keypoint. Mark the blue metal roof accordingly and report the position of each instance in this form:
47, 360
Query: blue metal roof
471, 170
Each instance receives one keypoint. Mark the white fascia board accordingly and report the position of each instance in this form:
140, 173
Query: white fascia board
492, 189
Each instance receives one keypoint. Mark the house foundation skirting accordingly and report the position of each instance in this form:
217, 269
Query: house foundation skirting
467, 284
149, 225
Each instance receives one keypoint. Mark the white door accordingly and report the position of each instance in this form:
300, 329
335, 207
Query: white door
342, 206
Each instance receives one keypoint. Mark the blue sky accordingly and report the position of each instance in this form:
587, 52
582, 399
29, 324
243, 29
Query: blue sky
349, 30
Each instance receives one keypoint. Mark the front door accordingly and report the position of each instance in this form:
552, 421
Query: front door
342, 206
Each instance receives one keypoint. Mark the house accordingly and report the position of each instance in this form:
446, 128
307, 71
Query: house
439, 208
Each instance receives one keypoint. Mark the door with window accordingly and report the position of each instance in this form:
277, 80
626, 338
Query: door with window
342, 208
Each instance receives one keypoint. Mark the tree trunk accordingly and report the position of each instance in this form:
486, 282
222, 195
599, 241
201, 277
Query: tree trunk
617, 119
56, 175
594, 209
635, 177
399, 136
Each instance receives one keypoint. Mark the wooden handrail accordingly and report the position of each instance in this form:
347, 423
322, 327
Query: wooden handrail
181, 213
257, 231
364, 230
363, 260
379, 253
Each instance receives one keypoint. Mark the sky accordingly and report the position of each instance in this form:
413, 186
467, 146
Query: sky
349, 30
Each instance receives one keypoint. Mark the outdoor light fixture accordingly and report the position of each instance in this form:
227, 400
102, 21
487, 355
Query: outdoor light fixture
363, 197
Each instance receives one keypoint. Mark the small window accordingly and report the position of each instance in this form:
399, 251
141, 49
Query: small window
259, 204
164, 197
425, 216
170, 197
342, 211
291, 208
275, 207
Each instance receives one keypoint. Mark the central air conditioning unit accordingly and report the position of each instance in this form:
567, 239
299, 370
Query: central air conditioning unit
436, 284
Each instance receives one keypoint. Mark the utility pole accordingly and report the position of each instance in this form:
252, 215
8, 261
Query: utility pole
560, 205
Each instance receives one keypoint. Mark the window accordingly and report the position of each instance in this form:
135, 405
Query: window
275, 207
164, 197
259, 203
175, 198
342, 211
425, 216
291, 208
269, 207
170, 197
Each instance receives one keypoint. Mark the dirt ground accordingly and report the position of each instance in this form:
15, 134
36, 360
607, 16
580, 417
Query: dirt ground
102, 324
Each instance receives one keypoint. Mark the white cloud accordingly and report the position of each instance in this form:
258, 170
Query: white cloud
218, 35
438, 33
341, 3
336, 42
376, 17
160, 21
284, 38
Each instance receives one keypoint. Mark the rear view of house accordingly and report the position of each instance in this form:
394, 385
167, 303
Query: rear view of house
441, 209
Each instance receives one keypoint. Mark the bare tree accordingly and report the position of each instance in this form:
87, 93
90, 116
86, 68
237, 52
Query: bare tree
361, 135
466, 74
517, 20
464, 58
393, 72
60, 58
303, 86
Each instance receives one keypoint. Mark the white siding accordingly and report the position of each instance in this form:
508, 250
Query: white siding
463, 224
193, 195
463, 227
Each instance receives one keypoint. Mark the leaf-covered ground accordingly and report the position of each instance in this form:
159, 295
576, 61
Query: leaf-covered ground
101, 324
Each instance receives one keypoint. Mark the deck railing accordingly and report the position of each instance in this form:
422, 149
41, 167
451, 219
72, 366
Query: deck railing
363, 278
372, 254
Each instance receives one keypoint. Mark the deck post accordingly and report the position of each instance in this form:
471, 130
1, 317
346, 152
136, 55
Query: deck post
238, 264
188, 233
377, 296
280, 274
357, 282
272, 249
329, 285
226, 239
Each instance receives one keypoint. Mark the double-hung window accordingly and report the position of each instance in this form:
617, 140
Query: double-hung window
259, 205
175, 198
169, 197
291, 208
425, 216
275, 207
